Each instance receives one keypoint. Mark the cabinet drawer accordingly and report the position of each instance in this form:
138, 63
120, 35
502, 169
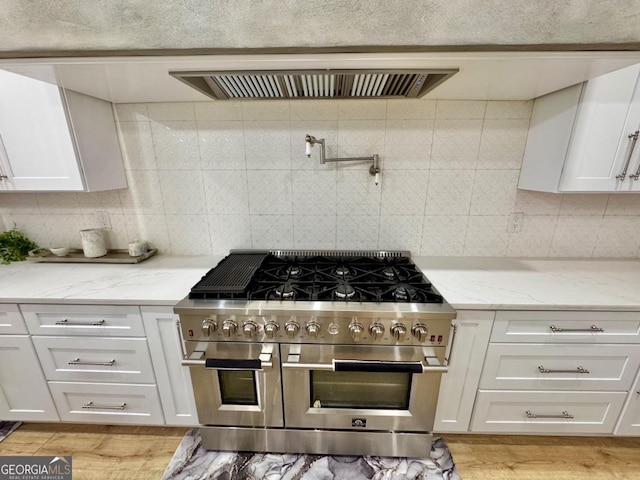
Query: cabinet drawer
506, 411
92, 320
571, 367
566, 327
90, 359
107, 403
11, 320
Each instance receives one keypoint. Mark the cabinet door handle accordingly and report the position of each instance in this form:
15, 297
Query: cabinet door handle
564, 414
449, 350
5, 156
580, 369
91, 405
80, 324
636, 175
634, 136
591, 330
76, 361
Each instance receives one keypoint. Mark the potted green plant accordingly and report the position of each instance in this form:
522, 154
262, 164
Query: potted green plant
14, 246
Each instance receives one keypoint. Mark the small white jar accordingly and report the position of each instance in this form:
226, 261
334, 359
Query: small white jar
137, 248
93, 243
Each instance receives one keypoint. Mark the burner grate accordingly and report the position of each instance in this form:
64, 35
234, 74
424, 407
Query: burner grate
310, 275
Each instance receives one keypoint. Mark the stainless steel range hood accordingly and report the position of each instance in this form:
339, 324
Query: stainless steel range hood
516, 75
306, 84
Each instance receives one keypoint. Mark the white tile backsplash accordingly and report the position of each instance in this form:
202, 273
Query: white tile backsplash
182, 191
487, 236
404, 192
176, 145
494, 192
455, 144
270, 192
502, 143
314, 231
226, 191
207, 177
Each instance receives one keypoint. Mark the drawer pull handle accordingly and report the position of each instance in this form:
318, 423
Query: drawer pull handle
591, 330
80, 324
580, 369
76, 361
90, 405
564, 414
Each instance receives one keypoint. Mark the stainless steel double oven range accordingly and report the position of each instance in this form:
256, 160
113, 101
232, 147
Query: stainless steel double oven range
337, 352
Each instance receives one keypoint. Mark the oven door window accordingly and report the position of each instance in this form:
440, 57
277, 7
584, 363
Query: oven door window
238, 387
366, 390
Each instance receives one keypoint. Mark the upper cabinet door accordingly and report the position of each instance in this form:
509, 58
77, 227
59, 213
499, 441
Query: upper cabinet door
37, 151
581, 139
56, 140
600, 156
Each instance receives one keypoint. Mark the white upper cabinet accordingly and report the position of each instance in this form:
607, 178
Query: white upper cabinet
583, 138
56, 140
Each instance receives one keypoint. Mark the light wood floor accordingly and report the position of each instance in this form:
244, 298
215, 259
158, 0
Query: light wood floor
100, 452
117, 452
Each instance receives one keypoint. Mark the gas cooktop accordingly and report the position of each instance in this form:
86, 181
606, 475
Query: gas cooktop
333, 276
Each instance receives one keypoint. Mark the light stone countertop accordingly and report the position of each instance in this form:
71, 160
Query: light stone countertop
536, 283
466, 283
160, 280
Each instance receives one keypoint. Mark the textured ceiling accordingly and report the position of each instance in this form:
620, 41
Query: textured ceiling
32, 26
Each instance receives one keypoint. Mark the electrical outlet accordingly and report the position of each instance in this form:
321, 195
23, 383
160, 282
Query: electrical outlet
515, 222
102, 219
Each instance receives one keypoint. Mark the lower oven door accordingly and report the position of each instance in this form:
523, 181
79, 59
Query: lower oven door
361, 387
236, 383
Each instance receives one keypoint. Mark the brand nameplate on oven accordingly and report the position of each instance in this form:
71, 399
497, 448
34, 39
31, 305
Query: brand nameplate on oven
359, 422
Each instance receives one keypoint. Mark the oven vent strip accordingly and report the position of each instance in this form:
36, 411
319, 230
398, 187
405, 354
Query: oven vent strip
341, 253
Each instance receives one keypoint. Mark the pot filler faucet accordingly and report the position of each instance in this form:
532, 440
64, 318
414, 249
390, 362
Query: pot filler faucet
374, 169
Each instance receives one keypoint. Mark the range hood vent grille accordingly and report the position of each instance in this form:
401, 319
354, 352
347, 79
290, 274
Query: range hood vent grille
316, 84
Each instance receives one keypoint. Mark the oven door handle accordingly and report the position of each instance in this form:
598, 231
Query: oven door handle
337, 365
262, 363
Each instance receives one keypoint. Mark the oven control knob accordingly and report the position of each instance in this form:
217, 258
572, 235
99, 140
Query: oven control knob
249, 328
312, 329
376, 330
399, 331
209, 326
229, 327
420, 332
271, 329
291, 328
355, 329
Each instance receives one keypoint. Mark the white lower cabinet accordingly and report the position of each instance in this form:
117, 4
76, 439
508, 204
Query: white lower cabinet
91, 359
97, 362
90, 320
560, 372
11, 320
509, 411
629, 423
559, 367
174, 380
107, 403
23, 389
459, 384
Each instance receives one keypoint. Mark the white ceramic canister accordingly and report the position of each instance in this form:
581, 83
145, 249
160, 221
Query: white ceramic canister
93, 243
137, 248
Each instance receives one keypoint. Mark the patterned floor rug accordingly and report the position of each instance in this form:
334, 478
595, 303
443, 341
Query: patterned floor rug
192, 462
7, 427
